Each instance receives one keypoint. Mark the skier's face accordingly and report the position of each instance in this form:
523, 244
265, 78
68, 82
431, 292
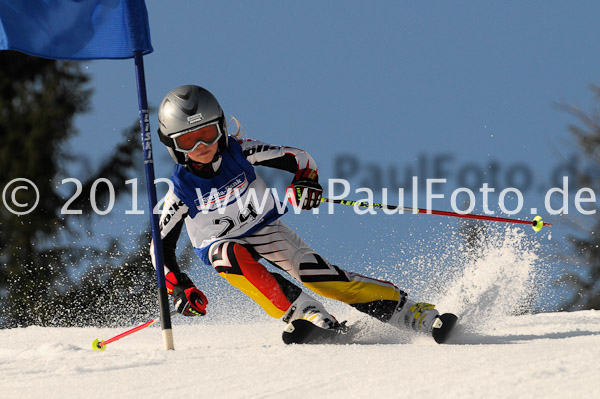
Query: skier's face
203, 153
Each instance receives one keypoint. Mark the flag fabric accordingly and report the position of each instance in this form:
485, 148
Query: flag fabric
75, 29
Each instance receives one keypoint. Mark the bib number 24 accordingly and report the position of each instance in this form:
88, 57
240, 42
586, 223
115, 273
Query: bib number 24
230, 223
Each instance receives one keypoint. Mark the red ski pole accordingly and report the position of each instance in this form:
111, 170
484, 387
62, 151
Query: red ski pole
536, 223
100, 345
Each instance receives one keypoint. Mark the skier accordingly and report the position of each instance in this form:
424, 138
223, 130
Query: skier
232, 221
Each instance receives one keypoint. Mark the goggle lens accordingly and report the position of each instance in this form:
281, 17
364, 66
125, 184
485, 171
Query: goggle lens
207, 135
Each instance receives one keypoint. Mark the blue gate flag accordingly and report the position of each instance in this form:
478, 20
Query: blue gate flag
75, 29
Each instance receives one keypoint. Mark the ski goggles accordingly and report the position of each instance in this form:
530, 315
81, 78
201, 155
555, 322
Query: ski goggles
189, 140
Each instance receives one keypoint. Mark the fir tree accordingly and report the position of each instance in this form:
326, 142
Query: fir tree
584, 274
39, 100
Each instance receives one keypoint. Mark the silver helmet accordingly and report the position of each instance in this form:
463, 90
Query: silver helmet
187, 108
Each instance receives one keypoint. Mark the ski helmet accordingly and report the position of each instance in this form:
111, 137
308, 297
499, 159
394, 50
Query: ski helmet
186, 109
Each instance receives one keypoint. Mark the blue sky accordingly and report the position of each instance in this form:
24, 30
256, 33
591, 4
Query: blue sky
385, 82
389, 84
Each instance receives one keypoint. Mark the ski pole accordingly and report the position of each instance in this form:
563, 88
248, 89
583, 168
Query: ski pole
536, 223
100, 345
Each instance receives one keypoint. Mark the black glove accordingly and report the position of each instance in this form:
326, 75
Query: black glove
187, 299
306, 185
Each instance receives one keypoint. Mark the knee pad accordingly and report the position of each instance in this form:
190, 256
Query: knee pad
224, 257
313, 268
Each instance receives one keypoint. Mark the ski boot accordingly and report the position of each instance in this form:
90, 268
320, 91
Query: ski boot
309, 323
423, 317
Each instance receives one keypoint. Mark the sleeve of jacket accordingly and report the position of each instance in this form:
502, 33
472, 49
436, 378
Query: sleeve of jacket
279, 157
171, 222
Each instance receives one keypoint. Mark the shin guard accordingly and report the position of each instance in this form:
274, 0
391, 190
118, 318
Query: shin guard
237, 265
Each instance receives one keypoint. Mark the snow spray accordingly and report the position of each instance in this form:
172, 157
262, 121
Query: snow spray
501, 276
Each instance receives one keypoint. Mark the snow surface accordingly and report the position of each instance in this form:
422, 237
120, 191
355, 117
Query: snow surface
551, 355
499, 349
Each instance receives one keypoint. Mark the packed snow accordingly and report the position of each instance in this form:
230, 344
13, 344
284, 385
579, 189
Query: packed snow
500, 349
552, 355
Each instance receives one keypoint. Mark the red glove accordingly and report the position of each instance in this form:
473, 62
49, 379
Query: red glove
187, 299
306, 185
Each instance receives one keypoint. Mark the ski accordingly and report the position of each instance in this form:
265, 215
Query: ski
302, 331
443, 326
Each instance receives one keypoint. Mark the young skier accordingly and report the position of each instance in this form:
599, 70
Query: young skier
232, 221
